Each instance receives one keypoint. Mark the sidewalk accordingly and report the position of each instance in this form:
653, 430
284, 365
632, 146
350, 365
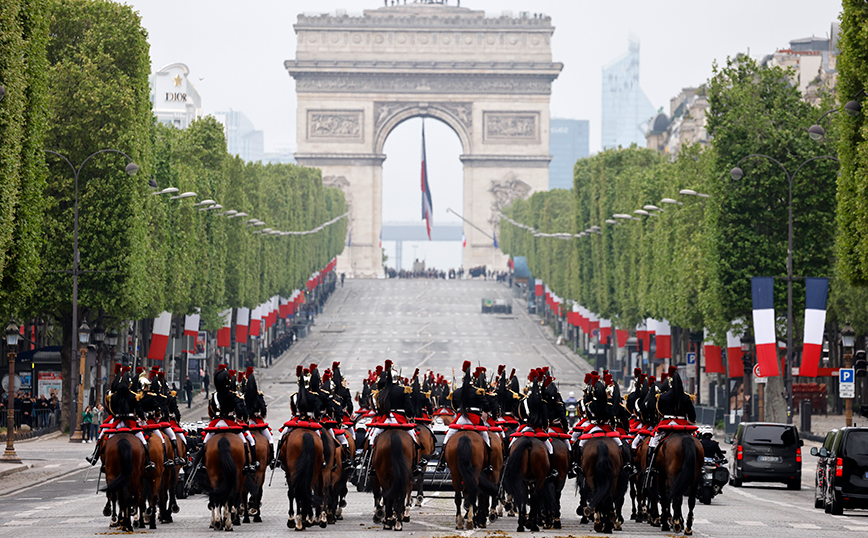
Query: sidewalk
43, 459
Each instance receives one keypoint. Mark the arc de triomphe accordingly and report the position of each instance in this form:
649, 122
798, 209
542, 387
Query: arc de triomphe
489, 79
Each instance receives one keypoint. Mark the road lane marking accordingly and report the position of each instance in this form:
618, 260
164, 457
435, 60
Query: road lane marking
19, 522
752, 523
804, 526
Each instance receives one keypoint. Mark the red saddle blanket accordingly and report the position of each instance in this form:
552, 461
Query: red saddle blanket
599, 434
682, 425
298, 422
154, 425
538, 433
231, 426
401, 424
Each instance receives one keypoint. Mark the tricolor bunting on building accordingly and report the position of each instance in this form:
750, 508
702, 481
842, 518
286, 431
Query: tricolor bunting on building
664, 340
816, 296
762, 289
734, 354
242, 320
427, 206
224, 334
713, 355
191, 324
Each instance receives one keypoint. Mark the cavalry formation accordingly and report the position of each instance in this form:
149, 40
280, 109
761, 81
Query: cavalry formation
508, 448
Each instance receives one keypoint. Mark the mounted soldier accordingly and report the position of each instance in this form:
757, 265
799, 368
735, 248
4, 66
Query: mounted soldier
676, 410
257, 410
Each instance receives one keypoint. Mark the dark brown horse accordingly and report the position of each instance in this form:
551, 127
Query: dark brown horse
466, 456
560, 461
301, 456
426, 440
124, 459
330, 477
251, 493
224, 461
341, 489
393, 480
149, 502
679, 471
601, 466
496, 463
169, 484
525, 479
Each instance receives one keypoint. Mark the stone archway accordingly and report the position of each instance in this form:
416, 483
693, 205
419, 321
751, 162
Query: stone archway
489, 79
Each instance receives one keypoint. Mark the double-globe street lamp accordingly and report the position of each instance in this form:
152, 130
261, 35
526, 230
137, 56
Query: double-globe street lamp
736, 174
9, 456
131, 169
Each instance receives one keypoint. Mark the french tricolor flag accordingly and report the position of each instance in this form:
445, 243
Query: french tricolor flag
160, 337
762, 290
255, 320
427, 206
224, 334
622, 336
664, 340
713, 356
816, 295
191, 325
538, 287
734, 354
242, 320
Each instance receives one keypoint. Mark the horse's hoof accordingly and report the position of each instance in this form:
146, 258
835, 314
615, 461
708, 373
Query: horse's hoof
557, 524
584, 520
257, 518
520, 529
598, 526
176, 508
246, 519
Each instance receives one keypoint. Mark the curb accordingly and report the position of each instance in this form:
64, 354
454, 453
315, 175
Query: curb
16, 469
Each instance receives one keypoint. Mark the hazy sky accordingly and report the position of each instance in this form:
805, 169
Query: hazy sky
237, 49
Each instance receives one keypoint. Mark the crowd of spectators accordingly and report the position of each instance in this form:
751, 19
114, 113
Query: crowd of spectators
34, 412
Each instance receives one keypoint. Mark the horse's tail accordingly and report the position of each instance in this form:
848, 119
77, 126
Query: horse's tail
400, 476
125, 453
512, 479
687, 474
603, 474
227, 487
302, 475
465, 468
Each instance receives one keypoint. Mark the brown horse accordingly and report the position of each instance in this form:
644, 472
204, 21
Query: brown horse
169, 484
466, 456
149, 502
251, 492
426, 440
679, 466
601, 467
224, 461
393, 479
560, 460
301, 456
496, 463
341, 489
525, 479
124, 459
330, 477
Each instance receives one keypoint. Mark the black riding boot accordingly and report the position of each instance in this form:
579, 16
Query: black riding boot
275, 460
417, 469
270, 461
553, 473
248, 469
178, 460
93, 458
149, 465
576, 464
166, 461
347, 461
488, 468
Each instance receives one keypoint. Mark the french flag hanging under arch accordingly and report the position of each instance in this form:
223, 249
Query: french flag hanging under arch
427, 206
763, 293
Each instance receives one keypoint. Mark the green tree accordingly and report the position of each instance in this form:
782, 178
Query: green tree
98, 98
23, 118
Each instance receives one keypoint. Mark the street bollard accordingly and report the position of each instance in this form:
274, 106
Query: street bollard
805, 415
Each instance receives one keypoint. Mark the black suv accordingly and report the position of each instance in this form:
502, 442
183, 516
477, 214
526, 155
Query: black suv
766, 452
847, 475
823, 460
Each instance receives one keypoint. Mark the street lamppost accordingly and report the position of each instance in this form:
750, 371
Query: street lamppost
736, 174
9, 456
848, 337
748, 370
99, 336
130, 169
83, 338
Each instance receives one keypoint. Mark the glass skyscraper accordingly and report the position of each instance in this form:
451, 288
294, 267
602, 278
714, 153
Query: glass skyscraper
626, 109
568, 143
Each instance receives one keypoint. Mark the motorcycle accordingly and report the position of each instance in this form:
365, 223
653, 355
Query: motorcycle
714, 476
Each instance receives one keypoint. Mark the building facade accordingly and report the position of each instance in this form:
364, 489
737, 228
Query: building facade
568, 143
175, 100
242, 138
627, 111
685, 125
814, 64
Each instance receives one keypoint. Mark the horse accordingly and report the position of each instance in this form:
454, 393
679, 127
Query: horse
341, 489
426, 440
332, 471
124, 459
601, 466
391, 459
560, 461
496, 462
224, 461
679, 466
169, 485
465, 455
251, 493
525, 479
301, 456
149, 501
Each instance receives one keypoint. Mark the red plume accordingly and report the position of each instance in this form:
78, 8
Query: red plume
547, 382
588, 377
652, 379
221, 367
416, 373
672, 370
388, 365
637, 372
305, 371
335, 365
313, 366
249, 371
379, 369
663, 376
465, 366
501, 369
512, 374
299, 371
118, 367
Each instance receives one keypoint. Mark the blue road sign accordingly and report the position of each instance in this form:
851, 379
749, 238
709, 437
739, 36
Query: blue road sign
691, 358
846, 375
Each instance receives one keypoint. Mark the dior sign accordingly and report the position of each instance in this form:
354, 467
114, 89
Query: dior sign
335, 125
510, 126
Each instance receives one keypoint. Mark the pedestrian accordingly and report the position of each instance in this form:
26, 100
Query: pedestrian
54, 406
206, 383
188, 390
342, 279
96, 421
27, 410
42, 411
86, 419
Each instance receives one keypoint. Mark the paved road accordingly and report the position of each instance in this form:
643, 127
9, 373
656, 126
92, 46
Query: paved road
421, 324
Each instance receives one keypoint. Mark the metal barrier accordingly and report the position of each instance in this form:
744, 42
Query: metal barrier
41, 418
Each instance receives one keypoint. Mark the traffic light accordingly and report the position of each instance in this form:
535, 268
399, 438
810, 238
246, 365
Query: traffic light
861, 364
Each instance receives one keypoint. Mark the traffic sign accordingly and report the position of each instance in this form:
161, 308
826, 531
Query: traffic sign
756, 374
846, 383
691, 358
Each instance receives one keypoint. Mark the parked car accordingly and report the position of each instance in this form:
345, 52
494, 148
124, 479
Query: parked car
766, 452
847, 476
822, 468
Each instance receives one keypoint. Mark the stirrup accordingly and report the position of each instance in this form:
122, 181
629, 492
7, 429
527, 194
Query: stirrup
178, 461
91, 460
553, 473
150, 466
488, 469
168, 463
